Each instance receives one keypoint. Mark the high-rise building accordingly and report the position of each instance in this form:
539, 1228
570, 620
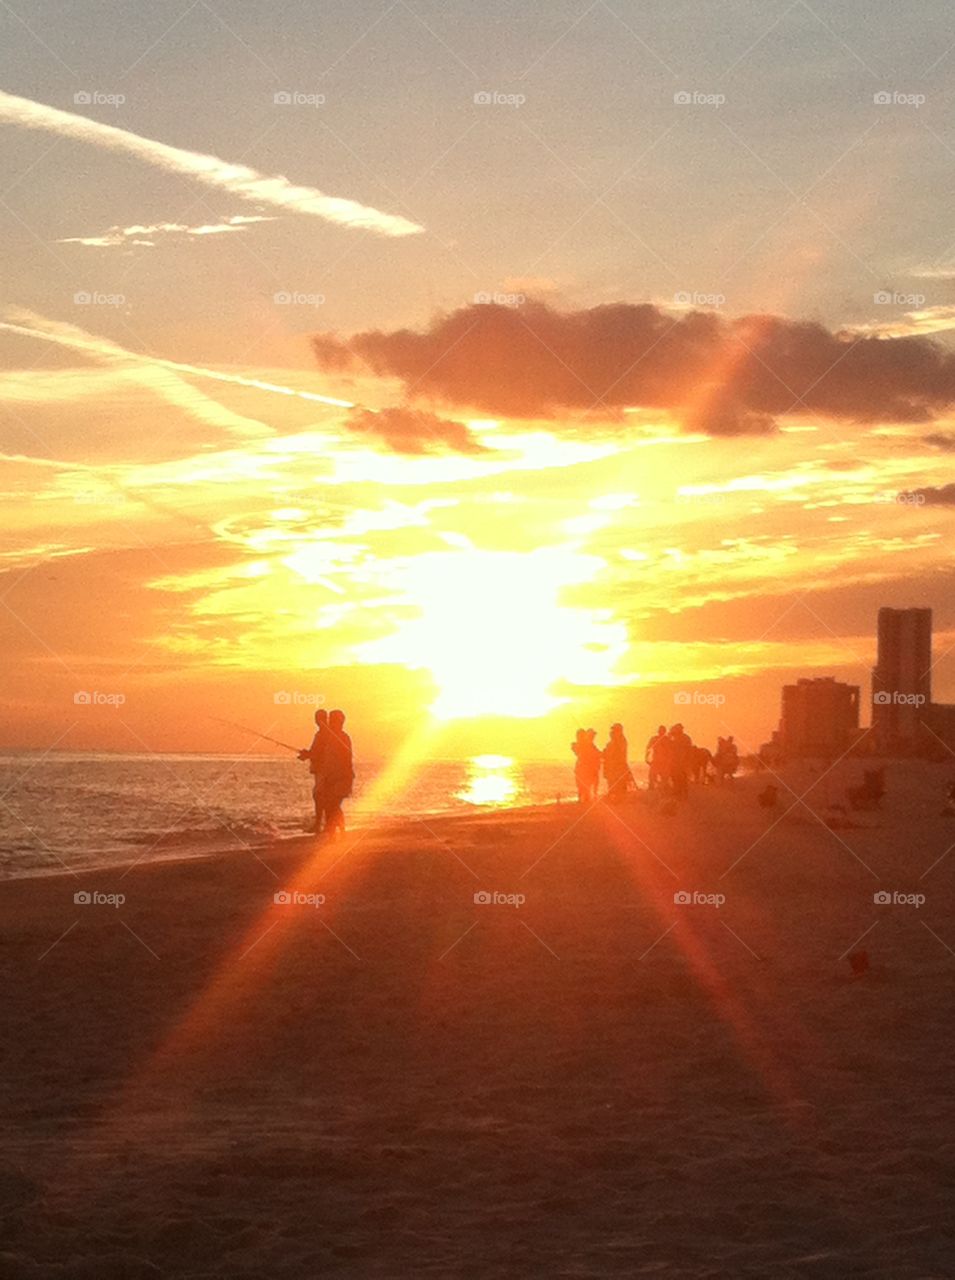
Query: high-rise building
819, 718
902, 680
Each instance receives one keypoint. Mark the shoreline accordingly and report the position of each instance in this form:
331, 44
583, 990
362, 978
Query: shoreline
287, 844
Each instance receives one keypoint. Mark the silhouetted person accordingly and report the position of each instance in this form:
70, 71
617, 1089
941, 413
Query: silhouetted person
681, 753
339, 772
616, 770
700, 761
315, 755
656, 757
587, 766
726, 760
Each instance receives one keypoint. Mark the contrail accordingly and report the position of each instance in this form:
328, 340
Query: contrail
67, 335
237, 179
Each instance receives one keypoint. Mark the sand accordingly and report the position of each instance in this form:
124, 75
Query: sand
596, 1081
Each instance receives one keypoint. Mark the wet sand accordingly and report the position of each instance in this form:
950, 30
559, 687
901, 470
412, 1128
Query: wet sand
599, 1080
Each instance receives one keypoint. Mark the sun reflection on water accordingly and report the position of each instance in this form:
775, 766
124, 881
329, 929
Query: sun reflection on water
491, 780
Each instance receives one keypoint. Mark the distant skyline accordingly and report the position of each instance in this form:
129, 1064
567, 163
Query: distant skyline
522, 366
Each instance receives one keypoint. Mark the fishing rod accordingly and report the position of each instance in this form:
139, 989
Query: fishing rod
255, 734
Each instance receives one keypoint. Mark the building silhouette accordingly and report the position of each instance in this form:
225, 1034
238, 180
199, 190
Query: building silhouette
819, 717
902, 681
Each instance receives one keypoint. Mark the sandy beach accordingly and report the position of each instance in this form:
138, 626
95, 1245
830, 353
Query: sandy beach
584, 1076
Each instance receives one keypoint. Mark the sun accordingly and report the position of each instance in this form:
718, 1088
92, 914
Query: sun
492, 630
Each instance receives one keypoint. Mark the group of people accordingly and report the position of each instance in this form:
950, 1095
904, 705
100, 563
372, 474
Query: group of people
673, 759
591, 761
332, 768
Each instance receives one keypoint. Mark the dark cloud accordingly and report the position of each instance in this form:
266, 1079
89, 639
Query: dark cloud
941, 440
726, 377
942, 496
414, 430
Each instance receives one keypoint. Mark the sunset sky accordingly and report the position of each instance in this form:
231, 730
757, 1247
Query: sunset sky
514, 366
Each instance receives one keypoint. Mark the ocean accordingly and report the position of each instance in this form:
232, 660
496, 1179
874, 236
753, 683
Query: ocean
70, 811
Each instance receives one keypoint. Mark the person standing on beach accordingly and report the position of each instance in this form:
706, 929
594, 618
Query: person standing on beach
339, 772
681, 750
315, 755
616, 769
656, 757
587, 766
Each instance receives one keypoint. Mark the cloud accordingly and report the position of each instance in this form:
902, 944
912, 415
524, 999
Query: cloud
413, 431
926, 320
237, 179
146, 235
942, 496
941, 440
718, 375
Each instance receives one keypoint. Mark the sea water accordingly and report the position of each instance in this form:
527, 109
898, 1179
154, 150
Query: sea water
62, 811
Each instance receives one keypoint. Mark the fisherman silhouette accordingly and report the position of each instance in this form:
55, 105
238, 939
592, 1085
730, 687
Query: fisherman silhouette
339, 771
315, 755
